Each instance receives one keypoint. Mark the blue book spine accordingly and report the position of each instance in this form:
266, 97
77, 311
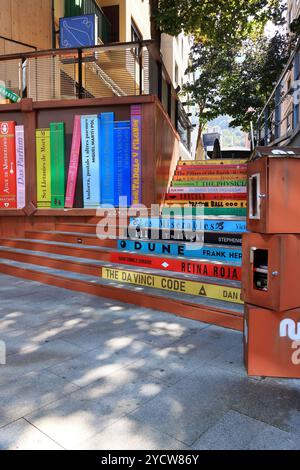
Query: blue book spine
213, 225
106, 123
90, 161
122, 149
180, 249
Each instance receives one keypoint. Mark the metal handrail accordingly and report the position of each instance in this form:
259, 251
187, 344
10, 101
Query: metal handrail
20, 43
64, 51
285, 71
154, 82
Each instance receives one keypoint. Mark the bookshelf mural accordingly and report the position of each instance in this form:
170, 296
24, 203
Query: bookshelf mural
99, 163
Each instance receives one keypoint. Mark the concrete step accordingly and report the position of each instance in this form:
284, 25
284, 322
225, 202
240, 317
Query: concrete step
94, 267
73, 238
64, 249
201, 308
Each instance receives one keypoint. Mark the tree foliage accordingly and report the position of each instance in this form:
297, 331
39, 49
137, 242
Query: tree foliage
253, 78
234, 65
232, 80
225, 21
295, 26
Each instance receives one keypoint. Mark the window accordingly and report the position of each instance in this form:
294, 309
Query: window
74, 7
176, 73
135, 37
289, 121
135, 34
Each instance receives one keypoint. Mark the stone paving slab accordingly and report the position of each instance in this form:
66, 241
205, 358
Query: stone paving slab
88, 411
30, 392
130, 434
235, 431
21, 435
90, 373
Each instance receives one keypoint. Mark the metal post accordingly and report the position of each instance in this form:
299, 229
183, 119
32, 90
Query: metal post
23, 80
159, 80
141, 68
80, 86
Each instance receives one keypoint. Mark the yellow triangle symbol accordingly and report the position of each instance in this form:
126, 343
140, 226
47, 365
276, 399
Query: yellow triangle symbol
203, 291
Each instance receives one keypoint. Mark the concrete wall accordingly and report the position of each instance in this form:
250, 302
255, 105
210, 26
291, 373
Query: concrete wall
293, 10
175, 52
136, 10
28, 21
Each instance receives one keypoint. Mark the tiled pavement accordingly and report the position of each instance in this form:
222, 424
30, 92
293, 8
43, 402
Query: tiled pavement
89, 373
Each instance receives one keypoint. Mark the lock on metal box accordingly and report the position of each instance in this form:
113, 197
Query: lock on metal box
271, 271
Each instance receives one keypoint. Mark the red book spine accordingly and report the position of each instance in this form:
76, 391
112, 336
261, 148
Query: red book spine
74, 163
213, 168
200, 268
8, 185
205, 197
210, 172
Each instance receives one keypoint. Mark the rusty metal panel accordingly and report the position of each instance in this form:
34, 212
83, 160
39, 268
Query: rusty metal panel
274, 194
272, 342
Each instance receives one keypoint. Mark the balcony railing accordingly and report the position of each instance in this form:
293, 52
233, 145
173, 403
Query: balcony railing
87, 7
98, 72
279, 121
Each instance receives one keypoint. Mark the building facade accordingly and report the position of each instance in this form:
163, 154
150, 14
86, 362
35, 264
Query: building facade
19, 35
279, 122
123, 70
119, 20
293, 11
175, 54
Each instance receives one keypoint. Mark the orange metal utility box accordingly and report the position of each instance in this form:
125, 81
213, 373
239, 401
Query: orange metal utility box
274, 190
272, 342
271, 271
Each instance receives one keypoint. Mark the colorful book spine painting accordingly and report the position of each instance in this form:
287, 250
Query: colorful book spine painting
204, 197
183, 286
57, 150
211, 169
213, 225
90, 161
195, 268
136, 154
209, 204
20, 167
8, 189
186, 250
207, 238
122, 158
106, 121
211, 183
219, 178
74, 164
227, 161
209, 189
43, 168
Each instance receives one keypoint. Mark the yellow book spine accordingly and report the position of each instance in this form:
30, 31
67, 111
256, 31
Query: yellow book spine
212, 291
212, 162
43, 168
211, 204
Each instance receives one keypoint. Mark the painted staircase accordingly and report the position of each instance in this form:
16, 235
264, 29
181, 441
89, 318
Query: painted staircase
71, 255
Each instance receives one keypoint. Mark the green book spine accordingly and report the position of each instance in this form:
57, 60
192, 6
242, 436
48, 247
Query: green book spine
214, 183
57, 145
218, 211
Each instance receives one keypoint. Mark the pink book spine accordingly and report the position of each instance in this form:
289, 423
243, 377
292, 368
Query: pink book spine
74, 163
20, 167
